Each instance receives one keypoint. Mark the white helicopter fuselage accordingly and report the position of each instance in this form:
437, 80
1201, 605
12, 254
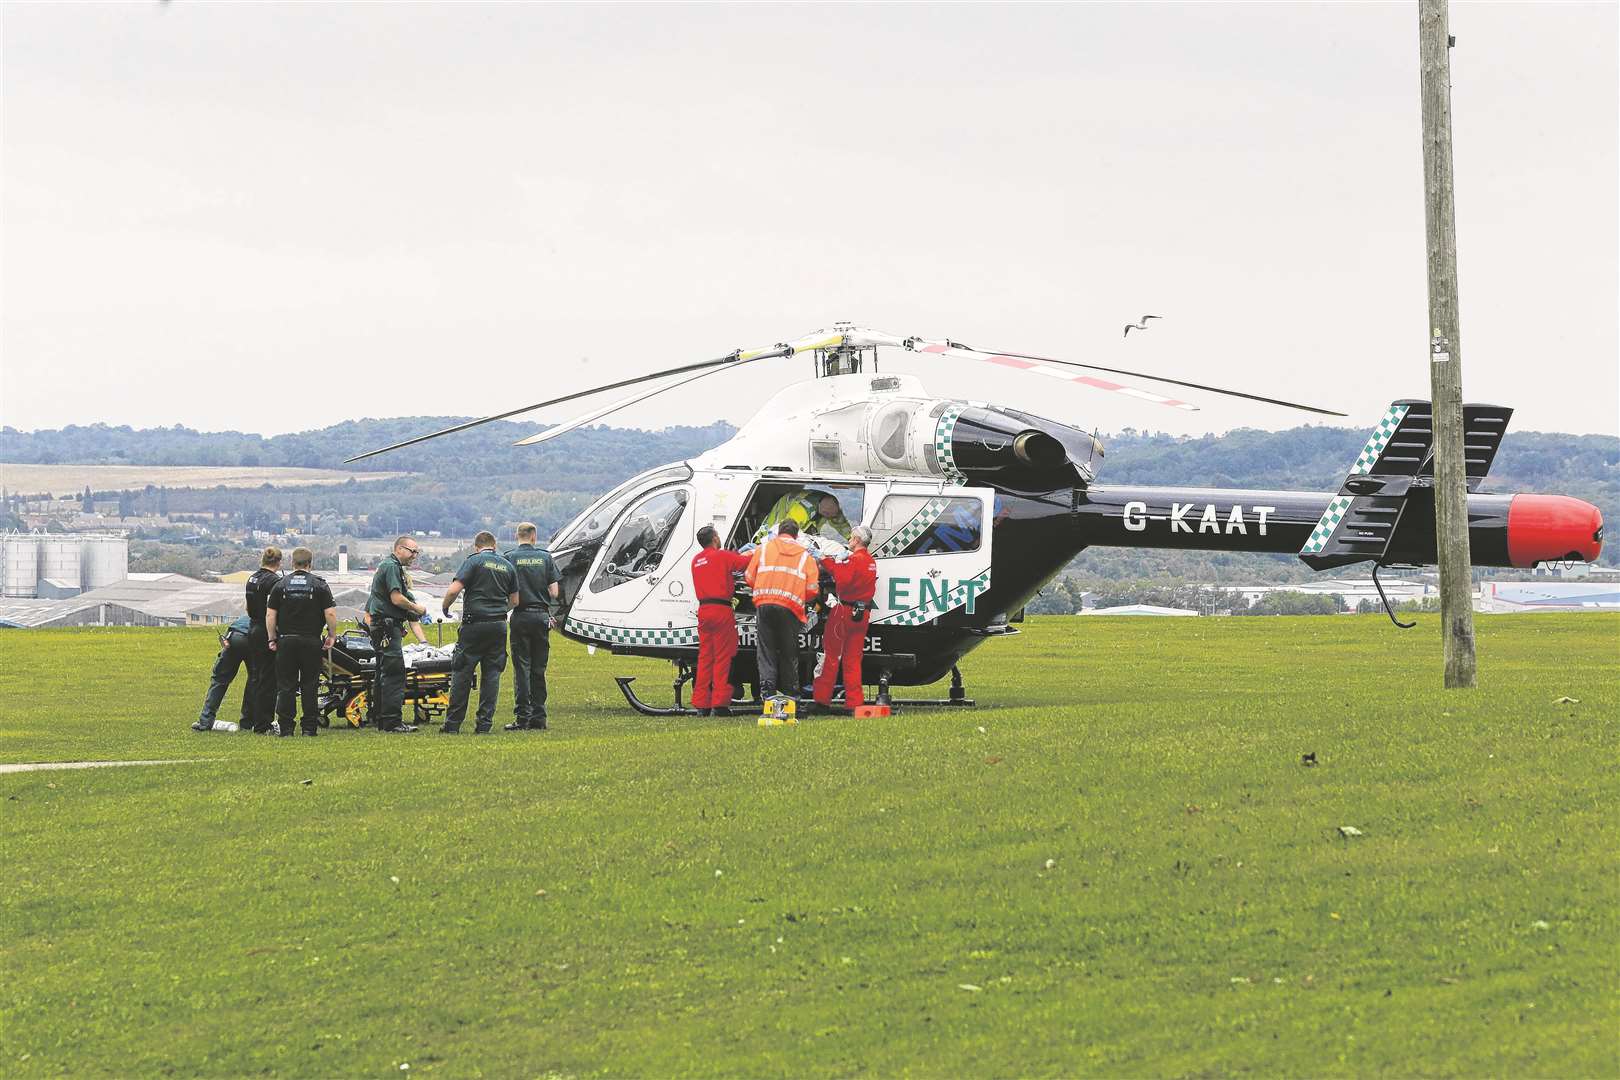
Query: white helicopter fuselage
877, 443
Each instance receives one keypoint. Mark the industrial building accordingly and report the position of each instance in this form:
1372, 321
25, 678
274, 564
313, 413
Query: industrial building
169, 600
57, 566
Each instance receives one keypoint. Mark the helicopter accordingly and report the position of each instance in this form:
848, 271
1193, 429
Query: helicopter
974, 507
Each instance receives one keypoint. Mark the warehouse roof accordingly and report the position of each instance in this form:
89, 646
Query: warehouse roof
29, 613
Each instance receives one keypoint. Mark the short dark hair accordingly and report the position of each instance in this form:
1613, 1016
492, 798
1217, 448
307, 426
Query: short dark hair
303, 558
707, 536
788, 528
484, 539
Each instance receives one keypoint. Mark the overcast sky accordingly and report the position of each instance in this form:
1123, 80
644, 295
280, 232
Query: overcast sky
273, 217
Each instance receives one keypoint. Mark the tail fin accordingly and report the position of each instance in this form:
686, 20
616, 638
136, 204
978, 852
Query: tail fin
1396, 465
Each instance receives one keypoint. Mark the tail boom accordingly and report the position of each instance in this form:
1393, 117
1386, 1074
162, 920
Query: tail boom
1503, 530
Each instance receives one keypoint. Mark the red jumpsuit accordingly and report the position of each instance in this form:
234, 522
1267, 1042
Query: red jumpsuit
717, 627
844, 640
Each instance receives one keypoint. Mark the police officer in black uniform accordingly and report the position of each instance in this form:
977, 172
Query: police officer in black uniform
490, 585
259, 698
531, 628
302, 623
390, 607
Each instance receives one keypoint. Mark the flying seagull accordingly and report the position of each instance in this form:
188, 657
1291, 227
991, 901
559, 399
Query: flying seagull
1139, 324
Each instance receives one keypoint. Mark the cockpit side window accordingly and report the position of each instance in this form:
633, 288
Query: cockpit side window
639, 543
597, 519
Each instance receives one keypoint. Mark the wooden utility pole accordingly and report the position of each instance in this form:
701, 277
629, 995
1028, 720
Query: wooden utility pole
1445, 348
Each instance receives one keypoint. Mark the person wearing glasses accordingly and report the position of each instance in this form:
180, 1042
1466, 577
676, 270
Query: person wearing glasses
391, 607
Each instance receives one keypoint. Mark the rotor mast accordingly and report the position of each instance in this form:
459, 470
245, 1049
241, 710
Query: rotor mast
846, 355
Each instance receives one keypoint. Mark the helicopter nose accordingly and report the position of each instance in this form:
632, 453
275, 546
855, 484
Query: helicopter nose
1548, 528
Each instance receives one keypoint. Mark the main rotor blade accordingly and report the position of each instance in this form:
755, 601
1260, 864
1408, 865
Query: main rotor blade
623, 403
952, 348
731, 358
1026, 362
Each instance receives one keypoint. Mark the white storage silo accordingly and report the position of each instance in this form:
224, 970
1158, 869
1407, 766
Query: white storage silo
21, 574
59, 560
103, 560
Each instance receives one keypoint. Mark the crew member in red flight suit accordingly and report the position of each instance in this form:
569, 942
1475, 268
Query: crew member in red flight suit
844, 640
717, 627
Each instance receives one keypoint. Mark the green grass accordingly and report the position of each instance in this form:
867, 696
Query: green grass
629, 896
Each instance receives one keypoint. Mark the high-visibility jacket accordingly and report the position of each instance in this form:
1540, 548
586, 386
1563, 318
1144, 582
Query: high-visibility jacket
803, 508
783, 572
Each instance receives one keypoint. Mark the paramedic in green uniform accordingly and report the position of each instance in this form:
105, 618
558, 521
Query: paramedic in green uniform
391, 606
490, 587
531, 628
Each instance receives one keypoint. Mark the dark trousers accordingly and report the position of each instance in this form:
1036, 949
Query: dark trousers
481, 645
778, 632
531, 652
298, 672
259, 699
231, 657
388, 688
717, 645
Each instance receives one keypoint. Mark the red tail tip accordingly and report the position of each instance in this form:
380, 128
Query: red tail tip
1547, 528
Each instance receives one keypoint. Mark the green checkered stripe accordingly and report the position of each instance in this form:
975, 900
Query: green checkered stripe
928, 613
1340, 506
627, 635
914, 528
942, 443
1324, 528
1381, 435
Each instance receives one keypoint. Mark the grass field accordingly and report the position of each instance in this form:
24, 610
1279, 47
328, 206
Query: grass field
73, 479
1116, 865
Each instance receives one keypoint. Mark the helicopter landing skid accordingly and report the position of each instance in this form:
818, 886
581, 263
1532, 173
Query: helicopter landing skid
682, 675
958, 698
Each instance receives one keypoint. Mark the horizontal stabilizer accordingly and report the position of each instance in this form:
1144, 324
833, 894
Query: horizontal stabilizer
1483, 428
1362, 521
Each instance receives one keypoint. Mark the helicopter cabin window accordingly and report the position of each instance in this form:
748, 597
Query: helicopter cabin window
638, 544
805, 502
927, 525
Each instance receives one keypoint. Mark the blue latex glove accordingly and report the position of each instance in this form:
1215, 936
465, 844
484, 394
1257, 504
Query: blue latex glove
426, 619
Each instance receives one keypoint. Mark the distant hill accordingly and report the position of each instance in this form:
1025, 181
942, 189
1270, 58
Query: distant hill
590, 457
478, 476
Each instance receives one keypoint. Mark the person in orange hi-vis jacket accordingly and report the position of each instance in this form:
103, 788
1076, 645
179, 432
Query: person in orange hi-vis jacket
785, 579
844, 640
717, 626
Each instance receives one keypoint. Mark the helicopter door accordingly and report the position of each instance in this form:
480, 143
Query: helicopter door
932, 547
645, 544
